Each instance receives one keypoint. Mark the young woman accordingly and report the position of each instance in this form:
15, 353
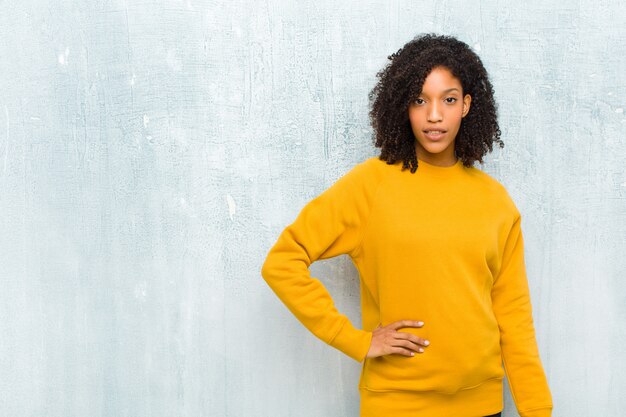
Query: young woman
438, 245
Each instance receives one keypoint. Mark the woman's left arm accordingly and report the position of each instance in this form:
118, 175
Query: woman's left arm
512, 307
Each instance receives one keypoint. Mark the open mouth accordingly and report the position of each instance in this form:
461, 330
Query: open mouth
434, 134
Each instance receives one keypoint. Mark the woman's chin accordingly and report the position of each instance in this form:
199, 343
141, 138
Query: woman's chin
435, 148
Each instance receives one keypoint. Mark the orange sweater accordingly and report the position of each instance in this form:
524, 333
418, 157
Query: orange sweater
444, 246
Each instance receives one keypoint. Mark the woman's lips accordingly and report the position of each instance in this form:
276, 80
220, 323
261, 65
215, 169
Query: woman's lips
434, 136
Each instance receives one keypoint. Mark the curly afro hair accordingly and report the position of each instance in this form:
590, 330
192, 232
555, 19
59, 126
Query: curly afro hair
401, 82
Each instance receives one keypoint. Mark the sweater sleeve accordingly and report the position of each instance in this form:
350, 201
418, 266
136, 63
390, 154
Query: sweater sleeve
512, 307
329, 225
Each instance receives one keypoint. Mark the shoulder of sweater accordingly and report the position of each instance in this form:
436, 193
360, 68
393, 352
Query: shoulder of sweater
370, 171
494, 186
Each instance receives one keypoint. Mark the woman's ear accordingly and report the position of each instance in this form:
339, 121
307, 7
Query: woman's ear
467, 100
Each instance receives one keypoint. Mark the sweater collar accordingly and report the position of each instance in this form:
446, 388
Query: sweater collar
440, 171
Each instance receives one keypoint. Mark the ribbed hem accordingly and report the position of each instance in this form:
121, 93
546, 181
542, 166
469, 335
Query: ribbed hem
537, 412
482, 400
352, 341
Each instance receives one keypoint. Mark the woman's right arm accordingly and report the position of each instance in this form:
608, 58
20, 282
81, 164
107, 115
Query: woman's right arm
329, 225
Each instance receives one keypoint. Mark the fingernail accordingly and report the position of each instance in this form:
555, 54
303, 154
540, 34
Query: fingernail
420, 323
426, 342
421, 349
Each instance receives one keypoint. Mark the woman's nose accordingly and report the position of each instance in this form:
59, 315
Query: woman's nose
434, 115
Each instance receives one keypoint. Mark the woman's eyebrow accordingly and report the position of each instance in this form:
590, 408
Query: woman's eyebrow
445, 91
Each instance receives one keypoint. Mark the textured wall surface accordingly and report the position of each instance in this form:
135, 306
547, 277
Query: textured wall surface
151, 152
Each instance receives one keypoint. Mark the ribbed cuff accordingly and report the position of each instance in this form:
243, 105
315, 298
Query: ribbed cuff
537, 412
352, 341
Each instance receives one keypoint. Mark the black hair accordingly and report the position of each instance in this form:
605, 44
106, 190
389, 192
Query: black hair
401, 81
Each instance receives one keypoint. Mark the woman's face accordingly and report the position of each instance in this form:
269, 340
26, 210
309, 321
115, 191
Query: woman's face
439, 107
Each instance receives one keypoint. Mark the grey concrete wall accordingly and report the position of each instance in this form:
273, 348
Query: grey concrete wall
151, 152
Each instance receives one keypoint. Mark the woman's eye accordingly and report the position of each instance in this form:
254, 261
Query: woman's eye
420, 101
